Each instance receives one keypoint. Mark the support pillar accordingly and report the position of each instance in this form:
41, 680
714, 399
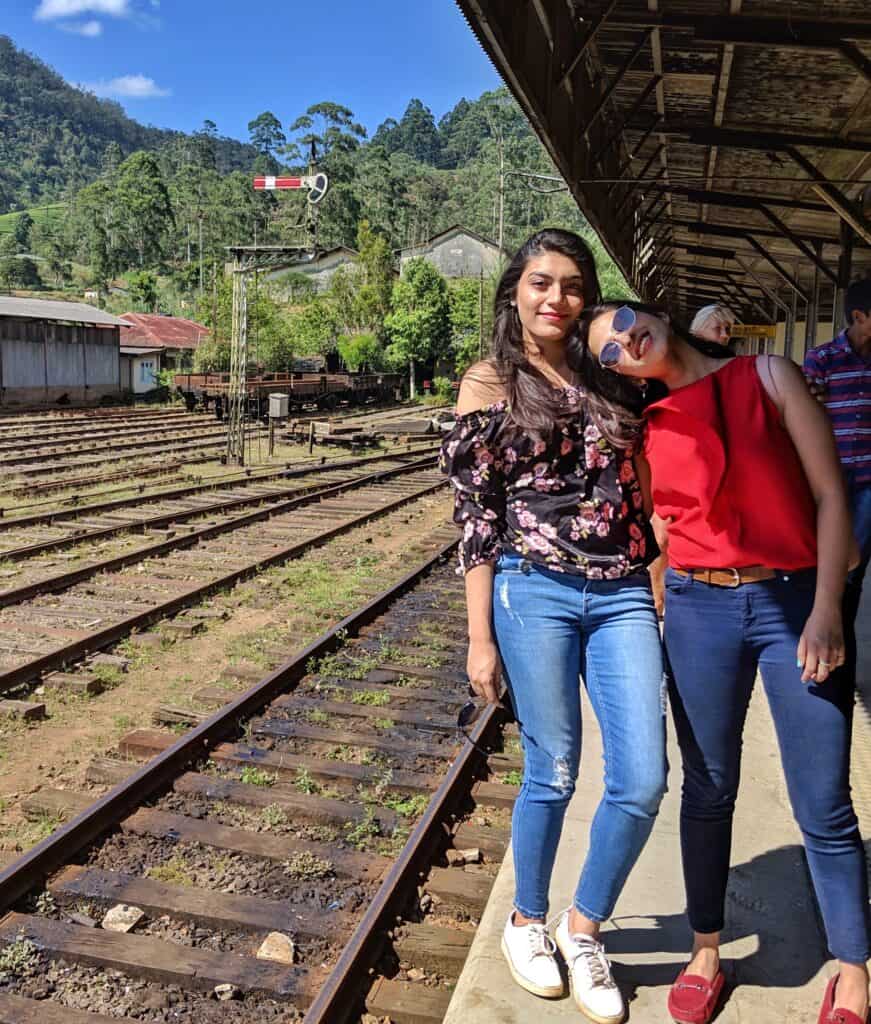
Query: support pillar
813, 307
789, 337
845, 269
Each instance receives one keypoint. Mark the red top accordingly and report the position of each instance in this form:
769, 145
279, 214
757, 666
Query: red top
724, 466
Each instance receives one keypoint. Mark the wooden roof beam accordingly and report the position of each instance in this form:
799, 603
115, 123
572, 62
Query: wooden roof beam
566, 72
693, 269
656, 49
653, 156
833, 197
781, 270
727, 231
714, 251
736, 138
639, 102
619, 75
742, 200
750, 29
784, 231
628, 161
787, 232
775, 298
858, 59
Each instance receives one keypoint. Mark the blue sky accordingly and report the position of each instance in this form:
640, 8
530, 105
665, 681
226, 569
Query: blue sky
173, 63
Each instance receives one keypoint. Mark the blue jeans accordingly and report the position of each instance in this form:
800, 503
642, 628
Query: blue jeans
716, 637
860, 507
550, 628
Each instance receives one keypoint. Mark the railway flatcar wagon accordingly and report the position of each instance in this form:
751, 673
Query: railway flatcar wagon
304, 390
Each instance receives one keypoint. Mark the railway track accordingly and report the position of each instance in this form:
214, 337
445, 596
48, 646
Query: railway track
194, 441
37, 432
44, 531
158, 467
80, 415
52, 619
47, 463
289, 855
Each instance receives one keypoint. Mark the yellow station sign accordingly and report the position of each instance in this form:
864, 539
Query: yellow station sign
754, 330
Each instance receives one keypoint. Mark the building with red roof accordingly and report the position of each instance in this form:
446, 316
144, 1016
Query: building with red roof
154, 343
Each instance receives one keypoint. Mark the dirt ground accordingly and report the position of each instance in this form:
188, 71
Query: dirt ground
282, 609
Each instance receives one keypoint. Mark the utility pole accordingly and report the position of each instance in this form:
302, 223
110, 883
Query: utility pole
481, 314
200, 247
501, 144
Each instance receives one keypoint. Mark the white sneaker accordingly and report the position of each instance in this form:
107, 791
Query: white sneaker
592, 985
530, 953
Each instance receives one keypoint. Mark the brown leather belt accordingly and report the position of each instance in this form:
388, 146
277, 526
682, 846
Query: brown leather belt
730, 577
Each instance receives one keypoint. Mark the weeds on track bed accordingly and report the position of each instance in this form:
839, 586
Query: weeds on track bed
306, 865
254, 776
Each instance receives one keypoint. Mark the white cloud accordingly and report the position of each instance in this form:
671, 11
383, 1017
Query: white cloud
49, 10
82, 28
136, 87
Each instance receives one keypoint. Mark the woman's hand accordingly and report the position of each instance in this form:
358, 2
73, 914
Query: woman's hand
484, 669
821, 646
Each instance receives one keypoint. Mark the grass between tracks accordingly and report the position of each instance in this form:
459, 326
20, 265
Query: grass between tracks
269, 619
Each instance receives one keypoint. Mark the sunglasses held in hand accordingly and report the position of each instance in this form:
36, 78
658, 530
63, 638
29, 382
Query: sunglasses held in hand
469, 713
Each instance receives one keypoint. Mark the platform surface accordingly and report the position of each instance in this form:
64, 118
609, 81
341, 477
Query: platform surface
774, 952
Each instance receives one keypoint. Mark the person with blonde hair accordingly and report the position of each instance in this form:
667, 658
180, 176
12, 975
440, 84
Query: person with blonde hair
713, 323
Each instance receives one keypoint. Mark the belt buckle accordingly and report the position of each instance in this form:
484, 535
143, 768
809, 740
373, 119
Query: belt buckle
736, 579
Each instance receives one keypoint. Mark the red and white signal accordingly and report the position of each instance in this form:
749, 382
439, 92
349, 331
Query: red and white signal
317, 184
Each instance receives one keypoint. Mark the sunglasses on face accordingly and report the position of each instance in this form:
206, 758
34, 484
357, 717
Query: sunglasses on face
624, 320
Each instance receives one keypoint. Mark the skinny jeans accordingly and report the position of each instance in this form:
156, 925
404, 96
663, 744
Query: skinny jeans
551, 629
716, 638
859, 495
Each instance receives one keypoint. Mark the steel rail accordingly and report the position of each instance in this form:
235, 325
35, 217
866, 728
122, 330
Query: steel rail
9, 435
40, 441
77, 649
67, 579
21, 474
144, 469
33, 867
168, 518
11, 423
197, 434
338, 997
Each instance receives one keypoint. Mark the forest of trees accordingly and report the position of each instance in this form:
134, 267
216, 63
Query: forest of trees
93, 200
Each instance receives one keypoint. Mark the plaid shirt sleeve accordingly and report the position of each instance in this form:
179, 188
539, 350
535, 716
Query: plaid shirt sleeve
813, 366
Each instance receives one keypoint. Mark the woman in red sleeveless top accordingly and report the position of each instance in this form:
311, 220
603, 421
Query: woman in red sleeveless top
744, 472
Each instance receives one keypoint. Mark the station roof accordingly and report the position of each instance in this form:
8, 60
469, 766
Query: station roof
58, 310
154, 331
719, 147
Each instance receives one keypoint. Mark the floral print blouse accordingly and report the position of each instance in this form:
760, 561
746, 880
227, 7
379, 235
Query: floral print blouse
573, 505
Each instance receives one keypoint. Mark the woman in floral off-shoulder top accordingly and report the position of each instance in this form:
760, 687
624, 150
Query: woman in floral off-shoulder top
555, 548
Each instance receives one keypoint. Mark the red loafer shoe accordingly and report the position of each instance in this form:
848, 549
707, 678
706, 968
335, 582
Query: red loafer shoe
693, 999
828, 1013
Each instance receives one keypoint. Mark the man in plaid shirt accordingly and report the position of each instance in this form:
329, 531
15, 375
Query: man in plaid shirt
839, 373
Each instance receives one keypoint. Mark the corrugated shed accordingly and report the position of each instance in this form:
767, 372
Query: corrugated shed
54, 309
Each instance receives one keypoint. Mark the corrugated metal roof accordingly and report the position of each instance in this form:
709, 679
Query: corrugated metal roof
163, 331
136, 350
54, 309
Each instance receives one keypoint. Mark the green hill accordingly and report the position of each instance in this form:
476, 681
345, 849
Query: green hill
54, 137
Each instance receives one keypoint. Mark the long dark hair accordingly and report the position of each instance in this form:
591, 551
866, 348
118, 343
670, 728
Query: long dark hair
535, 407
632, 394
